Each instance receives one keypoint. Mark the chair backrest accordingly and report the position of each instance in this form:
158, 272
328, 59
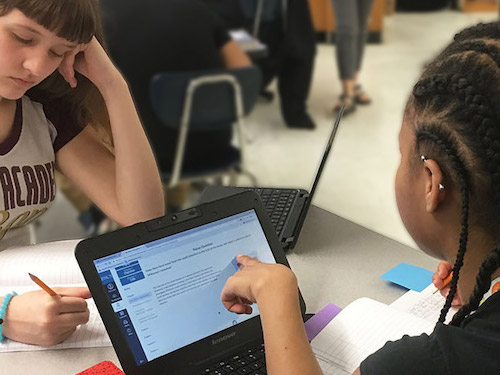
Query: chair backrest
213, 104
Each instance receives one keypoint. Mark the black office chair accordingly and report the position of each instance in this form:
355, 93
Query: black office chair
206, 100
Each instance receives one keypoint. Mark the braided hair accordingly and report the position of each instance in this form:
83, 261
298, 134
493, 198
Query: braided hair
455, 111
479, 31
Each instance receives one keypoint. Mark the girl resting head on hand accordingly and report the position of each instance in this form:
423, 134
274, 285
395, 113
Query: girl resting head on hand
71, 24
55, 80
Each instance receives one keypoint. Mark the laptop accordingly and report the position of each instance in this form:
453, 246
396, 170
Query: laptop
287, 208
157, 287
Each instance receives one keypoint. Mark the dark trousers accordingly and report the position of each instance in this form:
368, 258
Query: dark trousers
291, 56
294, 82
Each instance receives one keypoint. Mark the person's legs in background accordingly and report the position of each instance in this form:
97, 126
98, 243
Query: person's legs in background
352, 21
271, 34
346, 38
294, 82
296, 70
286, 29
290, 41
364, 10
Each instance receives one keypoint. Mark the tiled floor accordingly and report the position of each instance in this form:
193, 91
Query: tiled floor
358, 179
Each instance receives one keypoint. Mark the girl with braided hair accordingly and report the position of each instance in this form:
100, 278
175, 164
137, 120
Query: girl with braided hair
448, 195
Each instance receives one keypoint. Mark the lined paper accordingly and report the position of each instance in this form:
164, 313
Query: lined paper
425, 305
359, 330
53, 262
56, 265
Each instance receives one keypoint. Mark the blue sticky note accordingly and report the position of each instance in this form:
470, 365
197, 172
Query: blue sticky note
409, 276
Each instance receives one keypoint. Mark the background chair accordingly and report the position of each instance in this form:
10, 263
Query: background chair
205, 100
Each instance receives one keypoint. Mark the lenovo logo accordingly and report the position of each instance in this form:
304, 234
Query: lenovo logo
223, 338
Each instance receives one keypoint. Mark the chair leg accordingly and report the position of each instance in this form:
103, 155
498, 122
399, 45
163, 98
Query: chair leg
251, 176
233, 178
249, 138
219, 180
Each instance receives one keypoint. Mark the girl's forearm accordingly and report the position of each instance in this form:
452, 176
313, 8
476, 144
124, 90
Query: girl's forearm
139, 191
287, 347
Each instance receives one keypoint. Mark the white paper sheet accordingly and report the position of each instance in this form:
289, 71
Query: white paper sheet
359, 330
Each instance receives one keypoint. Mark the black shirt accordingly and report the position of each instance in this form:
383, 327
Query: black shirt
472, 348
150, 36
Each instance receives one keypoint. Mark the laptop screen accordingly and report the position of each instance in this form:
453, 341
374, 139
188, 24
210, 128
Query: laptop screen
166, 293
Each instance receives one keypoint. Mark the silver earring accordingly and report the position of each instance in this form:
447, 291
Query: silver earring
424, 159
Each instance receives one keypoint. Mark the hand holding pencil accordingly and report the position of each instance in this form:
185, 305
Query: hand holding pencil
46, 316
441, 280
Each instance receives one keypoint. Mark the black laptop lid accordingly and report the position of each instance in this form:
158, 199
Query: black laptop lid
327, 152
157, 284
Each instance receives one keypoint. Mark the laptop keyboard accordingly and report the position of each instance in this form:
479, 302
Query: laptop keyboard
250, 361
278, 203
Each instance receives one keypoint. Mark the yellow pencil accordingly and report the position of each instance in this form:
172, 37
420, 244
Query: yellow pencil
445, 281
42, 285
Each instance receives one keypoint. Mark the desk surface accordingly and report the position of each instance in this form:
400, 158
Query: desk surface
335, 261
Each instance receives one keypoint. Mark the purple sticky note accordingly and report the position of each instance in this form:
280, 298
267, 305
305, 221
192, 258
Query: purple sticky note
319, 320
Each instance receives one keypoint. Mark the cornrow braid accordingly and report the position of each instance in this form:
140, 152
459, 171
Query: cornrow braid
452, 56
479, 46
483, 281
456, 85
477, 112
480, 31
446, 144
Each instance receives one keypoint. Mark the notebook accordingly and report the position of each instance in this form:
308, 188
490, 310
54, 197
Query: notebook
157, 287
365, 325
287, 208
55, 264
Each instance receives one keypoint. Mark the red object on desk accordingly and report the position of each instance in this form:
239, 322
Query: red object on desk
102, 368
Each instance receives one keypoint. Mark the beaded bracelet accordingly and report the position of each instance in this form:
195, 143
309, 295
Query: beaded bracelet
3, 309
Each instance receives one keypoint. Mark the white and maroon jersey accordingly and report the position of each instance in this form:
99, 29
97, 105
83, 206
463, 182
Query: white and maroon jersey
27, 163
